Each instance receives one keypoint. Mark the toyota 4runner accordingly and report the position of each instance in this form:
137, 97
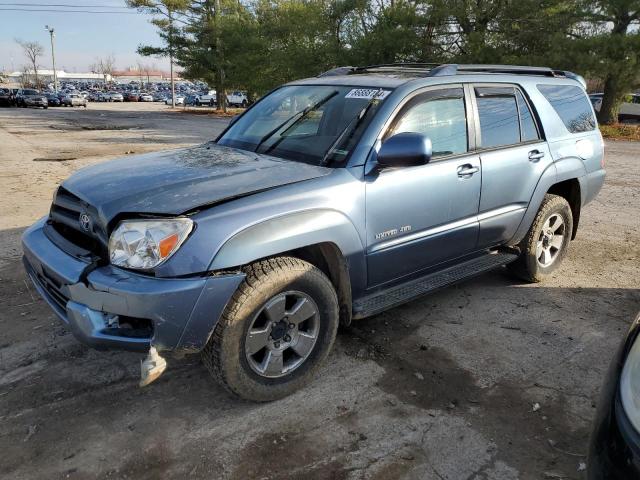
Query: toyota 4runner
331, 199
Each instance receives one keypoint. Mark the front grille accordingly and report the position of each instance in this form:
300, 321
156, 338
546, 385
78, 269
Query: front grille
49, 285
64, 217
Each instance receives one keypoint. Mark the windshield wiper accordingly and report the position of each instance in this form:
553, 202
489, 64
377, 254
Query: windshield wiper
351, 126
296, 118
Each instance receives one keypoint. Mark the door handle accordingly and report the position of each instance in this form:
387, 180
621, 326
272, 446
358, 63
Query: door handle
535, 155
467, 170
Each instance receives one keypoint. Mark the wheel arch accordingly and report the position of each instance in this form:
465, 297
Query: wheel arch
324, 238
570, 190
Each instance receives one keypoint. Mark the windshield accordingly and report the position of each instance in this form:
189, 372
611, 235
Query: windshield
307, 123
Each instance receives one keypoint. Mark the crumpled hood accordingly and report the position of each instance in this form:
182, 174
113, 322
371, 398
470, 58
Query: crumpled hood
176, 181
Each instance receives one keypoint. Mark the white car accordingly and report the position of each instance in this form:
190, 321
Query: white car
207, 99
235, 98
146, 97
179, 100
115, 97
238, 99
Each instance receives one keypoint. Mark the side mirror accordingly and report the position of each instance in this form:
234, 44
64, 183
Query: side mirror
404, 150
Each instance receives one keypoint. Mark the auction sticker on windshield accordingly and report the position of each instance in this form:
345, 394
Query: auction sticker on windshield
368, 93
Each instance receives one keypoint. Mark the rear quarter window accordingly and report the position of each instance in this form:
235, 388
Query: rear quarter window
572, 106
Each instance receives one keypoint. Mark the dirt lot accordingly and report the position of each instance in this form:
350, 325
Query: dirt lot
441, 388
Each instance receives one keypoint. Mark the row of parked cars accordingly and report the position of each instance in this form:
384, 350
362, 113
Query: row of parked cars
29, 97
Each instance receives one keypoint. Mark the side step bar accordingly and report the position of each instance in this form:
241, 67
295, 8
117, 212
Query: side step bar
396, 295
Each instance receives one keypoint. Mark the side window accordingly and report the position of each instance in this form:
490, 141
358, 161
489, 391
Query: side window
498, 114
571, 104
528, 130
440, 115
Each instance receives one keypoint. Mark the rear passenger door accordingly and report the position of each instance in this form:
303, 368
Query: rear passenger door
513, 157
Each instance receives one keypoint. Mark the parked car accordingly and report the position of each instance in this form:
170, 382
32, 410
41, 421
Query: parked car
614, 450
6, 97
208, 98
237, 99
190, 99
74, 100
94, 96
131, 96
629, 109
116, 97
27, 97
595, 97
179, 100
159, 97
146, 97
53, 100
331, 199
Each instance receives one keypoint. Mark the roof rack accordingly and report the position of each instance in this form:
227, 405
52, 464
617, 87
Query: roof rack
439, 70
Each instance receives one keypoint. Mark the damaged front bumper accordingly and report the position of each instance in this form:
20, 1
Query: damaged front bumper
108, 307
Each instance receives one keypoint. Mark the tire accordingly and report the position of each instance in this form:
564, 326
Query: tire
198, 103
542, 251
287, 282
244, 104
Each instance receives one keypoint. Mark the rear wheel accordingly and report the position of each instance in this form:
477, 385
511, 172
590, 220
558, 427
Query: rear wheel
275, 333
546, 242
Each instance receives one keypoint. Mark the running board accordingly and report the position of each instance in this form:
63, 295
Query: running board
399, 294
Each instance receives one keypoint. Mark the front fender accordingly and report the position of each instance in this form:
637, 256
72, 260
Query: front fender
293, 231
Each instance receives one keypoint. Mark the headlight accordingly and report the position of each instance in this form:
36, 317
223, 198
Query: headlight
144, 244
630, 384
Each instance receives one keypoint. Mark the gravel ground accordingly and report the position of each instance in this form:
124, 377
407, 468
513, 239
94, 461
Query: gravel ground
441, 388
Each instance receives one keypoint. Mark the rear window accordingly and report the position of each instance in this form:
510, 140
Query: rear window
572, 105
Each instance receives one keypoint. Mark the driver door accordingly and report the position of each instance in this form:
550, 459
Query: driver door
421, 216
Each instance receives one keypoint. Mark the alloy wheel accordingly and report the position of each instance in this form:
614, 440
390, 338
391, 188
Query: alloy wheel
550, 240
282, 335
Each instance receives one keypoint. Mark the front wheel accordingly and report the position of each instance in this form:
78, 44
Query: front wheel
546, 242
276, 331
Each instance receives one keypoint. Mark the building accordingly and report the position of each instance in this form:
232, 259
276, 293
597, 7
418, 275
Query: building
46, 76
143, 75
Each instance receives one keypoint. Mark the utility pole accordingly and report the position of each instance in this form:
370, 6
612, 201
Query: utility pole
53, 58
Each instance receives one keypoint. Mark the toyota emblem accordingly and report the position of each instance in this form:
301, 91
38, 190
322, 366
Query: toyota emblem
85, 221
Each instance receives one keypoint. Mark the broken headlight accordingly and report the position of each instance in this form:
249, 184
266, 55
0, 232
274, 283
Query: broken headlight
145, 244
630, 383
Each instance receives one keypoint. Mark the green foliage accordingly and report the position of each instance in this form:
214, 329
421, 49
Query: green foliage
258, 44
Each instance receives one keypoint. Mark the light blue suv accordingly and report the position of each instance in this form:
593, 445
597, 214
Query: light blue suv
331, 199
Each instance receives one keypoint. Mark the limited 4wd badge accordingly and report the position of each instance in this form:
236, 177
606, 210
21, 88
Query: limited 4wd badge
367, 93
393, 232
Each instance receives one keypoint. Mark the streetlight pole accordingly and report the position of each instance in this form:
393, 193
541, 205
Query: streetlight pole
53, 58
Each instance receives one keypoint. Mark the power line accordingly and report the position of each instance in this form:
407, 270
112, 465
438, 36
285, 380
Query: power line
67, 11
65, 5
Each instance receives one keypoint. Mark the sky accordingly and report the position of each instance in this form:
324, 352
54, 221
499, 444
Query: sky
79, 37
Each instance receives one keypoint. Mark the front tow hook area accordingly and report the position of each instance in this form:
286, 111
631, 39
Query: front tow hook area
152, 367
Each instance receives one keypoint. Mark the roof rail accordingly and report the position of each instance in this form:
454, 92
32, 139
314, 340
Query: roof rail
445, 69
507, 69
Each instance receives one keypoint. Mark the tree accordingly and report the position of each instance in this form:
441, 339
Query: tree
167, 15
105, 66
613, 47
32, 50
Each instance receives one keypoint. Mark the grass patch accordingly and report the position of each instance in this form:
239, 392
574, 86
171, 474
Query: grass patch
231, 112
621, 131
